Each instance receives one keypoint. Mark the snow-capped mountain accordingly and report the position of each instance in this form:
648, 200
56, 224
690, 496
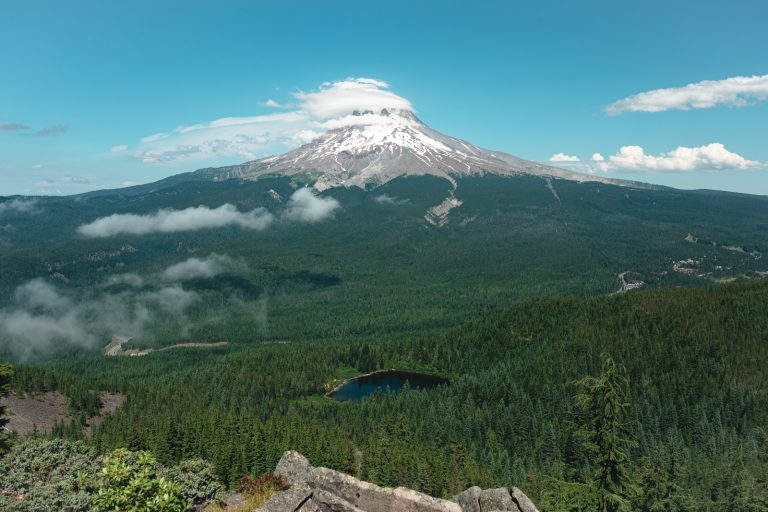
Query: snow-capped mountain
372, 148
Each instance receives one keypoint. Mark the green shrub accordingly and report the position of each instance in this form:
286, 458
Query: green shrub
128, 482
54, 475
196, 478
47, 475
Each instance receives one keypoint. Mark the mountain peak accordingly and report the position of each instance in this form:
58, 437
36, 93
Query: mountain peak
370, 147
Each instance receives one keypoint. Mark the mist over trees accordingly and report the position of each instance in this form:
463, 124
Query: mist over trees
304, 304
664, 433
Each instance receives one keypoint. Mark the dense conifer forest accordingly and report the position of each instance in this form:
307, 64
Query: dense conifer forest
693, 431
524, 301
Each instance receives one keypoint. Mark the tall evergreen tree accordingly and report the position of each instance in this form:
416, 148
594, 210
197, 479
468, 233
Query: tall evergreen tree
5, 387
607, 434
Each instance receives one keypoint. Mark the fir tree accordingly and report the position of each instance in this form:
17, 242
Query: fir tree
5, 388
607, 434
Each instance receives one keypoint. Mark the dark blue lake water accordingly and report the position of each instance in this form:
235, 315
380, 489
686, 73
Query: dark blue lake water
390, 381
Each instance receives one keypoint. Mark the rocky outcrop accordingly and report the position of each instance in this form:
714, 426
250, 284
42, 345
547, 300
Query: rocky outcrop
476, 499
325, 490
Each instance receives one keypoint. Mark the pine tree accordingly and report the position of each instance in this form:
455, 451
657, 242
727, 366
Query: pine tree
5, 388
607, 433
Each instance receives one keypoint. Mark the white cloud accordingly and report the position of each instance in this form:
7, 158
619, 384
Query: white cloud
342, 98
251, 137
166, 221
711, 157
174, 299
385, 199
63, 184
119, 149
305, 206
191, 268
273, 104
19, 205
242, 137
737, 91
41, 318
562, 157
128, 278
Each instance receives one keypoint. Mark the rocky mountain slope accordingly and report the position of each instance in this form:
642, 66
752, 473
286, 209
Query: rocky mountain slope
372, 148
325, 490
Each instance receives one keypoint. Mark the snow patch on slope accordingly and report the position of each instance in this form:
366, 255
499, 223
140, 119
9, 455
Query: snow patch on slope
370, 148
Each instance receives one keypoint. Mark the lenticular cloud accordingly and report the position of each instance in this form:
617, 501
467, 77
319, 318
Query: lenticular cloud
168, 221
250, 137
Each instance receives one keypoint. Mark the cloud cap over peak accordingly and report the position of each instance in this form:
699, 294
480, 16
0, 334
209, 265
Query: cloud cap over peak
249, 137
337, 99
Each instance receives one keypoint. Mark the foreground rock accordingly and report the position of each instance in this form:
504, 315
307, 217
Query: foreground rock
476, 499
325, 490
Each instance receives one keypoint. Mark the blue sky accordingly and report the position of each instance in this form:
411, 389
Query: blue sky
82, 83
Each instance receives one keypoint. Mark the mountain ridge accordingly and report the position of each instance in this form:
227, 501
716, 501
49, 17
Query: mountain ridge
370, 149
367, 149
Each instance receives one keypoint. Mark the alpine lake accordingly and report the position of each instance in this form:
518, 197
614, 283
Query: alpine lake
386, 381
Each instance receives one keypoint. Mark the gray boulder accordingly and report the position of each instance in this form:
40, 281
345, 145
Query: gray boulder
496, 499
363, 495
408, 500
308, 506
469, 500
524, 503
325, 490
294, 467
327, 502
288, 501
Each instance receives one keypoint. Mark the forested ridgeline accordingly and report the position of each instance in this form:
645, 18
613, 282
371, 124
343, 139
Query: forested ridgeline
376, 271
34, 380
698, 405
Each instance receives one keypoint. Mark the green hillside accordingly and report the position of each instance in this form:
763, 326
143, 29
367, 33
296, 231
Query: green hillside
376, 287
697, 395
380, 271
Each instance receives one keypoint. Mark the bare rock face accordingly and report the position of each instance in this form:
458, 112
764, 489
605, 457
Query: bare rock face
523, 502
290, 500
325, 490
294, 467
372, 148
469, 500
496, 499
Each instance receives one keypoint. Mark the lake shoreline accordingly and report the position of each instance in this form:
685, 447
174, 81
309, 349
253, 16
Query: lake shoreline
418, 380
330, 393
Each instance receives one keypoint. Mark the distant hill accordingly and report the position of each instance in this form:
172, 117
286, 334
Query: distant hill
413, 244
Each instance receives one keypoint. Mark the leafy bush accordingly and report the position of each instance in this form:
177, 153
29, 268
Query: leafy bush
128, 482
196, 479
47, 475
55, 475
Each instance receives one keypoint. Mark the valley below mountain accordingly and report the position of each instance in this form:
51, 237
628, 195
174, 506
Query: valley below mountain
384, 245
